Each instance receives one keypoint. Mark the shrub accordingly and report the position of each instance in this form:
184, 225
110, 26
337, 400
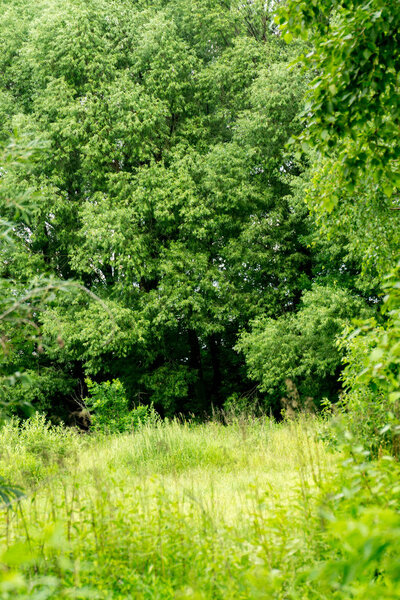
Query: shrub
296, 355
109, 406
34, 449
372, 375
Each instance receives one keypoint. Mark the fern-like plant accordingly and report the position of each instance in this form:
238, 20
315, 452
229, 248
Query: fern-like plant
8, 493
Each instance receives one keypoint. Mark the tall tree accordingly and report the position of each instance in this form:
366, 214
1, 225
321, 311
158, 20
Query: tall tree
166, 187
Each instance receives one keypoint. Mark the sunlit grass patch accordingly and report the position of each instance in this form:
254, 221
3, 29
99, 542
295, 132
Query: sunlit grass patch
172, 510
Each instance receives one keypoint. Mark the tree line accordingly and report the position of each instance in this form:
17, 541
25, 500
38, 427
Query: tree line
231, 212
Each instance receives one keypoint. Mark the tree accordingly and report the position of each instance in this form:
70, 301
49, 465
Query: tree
352, 120
297, 355
166, 190
354, 100
25, 296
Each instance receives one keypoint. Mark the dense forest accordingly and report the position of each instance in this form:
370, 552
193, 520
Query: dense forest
164, 184
200, 299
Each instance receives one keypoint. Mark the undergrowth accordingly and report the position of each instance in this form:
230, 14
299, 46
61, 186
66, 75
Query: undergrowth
248, 510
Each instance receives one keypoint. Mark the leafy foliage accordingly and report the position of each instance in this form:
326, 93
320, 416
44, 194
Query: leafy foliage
354, 100
8, 492
351, 120
165, 191
297, 354
111, 411
372, 373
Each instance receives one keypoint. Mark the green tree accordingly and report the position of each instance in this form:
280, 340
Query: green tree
352, 118
353, 108
297, 356
166, 190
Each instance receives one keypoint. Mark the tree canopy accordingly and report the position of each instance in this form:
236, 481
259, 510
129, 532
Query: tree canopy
167, 189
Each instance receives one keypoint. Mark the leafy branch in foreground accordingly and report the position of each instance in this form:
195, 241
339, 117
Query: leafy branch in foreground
352, 120
372, 375
353, 109
8, 492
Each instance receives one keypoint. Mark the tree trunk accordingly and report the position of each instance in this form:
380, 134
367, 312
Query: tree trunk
213, 345
198, 389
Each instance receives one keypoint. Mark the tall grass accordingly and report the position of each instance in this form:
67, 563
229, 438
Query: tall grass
176, 510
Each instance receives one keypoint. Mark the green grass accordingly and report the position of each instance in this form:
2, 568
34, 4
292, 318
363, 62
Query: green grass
178, 510
174, 510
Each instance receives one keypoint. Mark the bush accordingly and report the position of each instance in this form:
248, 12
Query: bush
33, 450
372, 376
296, 355
110, 406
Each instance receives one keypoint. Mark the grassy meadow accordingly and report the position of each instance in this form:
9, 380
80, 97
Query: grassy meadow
244, 510
172, 511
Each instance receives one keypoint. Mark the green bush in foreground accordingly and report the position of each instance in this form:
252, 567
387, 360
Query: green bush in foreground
372, 375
